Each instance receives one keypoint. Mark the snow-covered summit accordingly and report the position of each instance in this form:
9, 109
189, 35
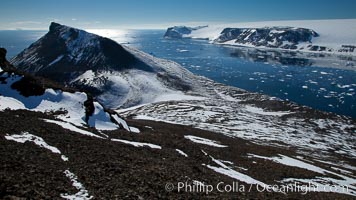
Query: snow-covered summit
329, 36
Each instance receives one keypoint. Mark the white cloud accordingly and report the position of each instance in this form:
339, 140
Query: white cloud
26, 23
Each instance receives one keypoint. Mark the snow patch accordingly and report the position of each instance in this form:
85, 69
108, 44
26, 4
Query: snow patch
134, 130
138, 144
322, 184
27, 137
205, 141
122, 122
82, 194
64, 158
285, 160
73, 128
181, 153
225, 170
56, 60
260, 111
101, 119
10, 103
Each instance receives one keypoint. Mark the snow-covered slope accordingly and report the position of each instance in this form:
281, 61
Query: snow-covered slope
332, 36
118, 76
75, 108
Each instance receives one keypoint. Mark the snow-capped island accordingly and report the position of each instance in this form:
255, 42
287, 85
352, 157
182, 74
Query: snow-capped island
322, 36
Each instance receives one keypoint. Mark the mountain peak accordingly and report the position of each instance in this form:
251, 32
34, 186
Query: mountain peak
54, 26
65, 51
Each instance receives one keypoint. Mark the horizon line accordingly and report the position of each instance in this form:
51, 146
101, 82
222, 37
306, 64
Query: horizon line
162, 26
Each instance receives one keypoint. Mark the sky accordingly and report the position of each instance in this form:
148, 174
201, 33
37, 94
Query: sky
159, 14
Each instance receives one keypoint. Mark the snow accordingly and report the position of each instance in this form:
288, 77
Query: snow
322, 183
260, 111
122, 122
204, 141
64, 158
134, 129
138, 144
10, 103
87, 75
50, 100
234, 119
235, 175
27, 137
54, 100
82, 194
101, 119
225, 170
71, 127
176, 97
56, 60
181, 153
133, 87
285, 160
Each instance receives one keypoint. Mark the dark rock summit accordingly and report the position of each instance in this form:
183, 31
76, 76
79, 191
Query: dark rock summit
65, 52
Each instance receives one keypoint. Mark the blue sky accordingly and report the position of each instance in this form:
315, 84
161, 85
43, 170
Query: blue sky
36, 14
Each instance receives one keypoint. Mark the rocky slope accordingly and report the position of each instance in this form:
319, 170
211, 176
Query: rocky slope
139, 166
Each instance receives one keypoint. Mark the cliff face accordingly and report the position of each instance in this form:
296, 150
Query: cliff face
273, 37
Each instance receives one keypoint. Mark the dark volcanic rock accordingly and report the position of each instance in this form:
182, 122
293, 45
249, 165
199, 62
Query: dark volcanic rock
114, 170
4, 64
65, 52
277, 37
28, 86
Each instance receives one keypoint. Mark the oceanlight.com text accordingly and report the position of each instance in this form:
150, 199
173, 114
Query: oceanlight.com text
237, 187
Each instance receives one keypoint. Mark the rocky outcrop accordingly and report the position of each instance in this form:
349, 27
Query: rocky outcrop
272, 37
179, 32
4, 64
